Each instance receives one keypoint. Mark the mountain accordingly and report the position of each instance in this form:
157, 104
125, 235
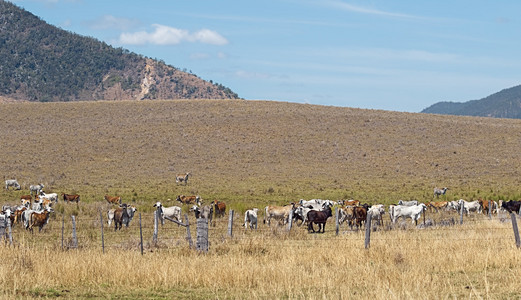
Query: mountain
41, 62
503, 104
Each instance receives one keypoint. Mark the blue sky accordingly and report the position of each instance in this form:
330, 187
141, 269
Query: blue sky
392, 55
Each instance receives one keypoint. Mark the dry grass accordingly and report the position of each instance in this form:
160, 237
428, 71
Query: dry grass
477, 261
253, 153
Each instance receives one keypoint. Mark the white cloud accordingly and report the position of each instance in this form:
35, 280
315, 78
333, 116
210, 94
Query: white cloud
207, 36
166, 35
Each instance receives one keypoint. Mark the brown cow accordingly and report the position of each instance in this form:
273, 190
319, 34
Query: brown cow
438, 205
113, 200
350, 202
182, 178
121, 215
71, 198
189, 199
484, 206
360, 214
16, 216
39, 219
26, 197
26, 202
346, 213
219, 208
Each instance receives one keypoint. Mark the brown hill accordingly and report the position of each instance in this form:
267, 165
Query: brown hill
256, 151
41, 62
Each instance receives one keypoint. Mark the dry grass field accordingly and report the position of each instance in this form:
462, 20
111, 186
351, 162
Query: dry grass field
250, 154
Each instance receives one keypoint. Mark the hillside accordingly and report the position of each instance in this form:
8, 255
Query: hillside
250, 154
503, 104
256, 151
41, 62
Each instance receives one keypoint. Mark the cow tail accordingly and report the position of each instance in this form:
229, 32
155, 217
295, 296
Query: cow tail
265, 214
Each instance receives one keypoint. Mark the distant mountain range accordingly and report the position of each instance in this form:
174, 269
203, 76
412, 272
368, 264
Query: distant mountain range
503, 104
41, 62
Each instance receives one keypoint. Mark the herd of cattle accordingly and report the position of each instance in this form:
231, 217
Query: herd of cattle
35, 212
353, 213
31, 211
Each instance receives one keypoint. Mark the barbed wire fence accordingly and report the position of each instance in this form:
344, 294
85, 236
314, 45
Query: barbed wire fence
145, 231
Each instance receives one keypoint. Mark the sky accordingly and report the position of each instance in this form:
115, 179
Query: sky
401, 55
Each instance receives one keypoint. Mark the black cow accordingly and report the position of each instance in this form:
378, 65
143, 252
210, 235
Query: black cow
319, 218
511, 206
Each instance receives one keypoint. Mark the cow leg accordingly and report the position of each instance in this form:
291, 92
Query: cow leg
310, 227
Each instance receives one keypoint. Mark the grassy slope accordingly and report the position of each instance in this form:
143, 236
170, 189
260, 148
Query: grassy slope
252, 153
256, 152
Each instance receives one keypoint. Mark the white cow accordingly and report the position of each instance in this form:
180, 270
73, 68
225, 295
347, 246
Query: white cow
37, 189
37, 204
26, 217
414, 212
205, 212
317, 204
453, 205
280, 213
52, 196
301, 213
408, 203
12, 183
250, 217
438, 192
173, 212
376, 211
5, 215
472, 206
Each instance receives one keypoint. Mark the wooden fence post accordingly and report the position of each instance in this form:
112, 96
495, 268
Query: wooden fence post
230, 223
154, 238
102, 238
140, 234
202, 235
158, 210
3, 229
290, 220
461, 213
9, 231
368, 231
188, 234
74, 237
337, 228
516, 230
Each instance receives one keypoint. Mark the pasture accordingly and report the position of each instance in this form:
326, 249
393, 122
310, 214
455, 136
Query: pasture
251, 154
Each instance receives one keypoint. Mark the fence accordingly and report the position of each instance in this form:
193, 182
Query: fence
145, 233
